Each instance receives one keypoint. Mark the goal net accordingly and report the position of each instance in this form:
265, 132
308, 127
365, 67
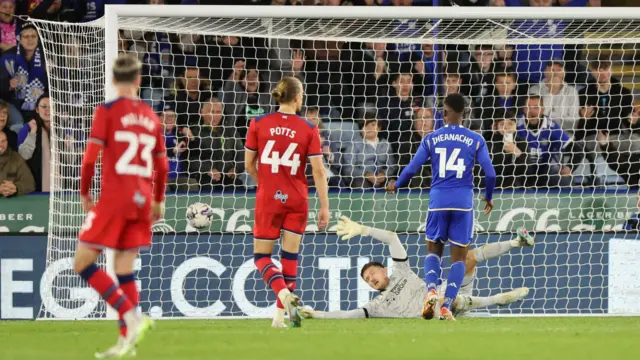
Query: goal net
553, 97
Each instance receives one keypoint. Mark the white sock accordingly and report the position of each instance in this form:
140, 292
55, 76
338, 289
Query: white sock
490, 251
279, 315
466, 303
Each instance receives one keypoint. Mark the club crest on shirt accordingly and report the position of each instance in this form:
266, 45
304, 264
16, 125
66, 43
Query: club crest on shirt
281, 197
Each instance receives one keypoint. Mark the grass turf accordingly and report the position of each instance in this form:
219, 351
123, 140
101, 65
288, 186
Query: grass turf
480, 338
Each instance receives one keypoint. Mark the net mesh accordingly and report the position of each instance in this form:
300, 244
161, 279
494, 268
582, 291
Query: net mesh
565, 157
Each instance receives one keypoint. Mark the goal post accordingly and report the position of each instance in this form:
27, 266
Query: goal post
235, 54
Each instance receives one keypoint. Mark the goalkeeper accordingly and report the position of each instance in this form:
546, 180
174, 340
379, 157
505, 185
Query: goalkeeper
402, 294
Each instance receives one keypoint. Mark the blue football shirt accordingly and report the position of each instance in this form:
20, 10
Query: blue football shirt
453, 151
548, 140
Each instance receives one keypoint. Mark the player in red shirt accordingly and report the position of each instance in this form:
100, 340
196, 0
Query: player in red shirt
129, 134
277, 148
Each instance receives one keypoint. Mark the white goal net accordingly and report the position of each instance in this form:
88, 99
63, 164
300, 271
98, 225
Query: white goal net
553, 97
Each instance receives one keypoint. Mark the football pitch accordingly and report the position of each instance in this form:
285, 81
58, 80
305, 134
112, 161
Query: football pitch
477, 338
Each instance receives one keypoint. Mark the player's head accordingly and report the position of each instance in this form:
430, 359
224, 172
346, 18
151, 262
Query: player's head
289, 92
375, 274
454, 105
126, 70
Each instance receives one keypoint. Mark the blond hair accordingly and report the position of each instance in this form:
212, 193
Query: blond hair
126, 68
287, 90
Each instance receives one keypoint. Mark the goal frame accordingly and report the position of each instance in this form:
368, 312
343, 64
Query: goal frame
114, 12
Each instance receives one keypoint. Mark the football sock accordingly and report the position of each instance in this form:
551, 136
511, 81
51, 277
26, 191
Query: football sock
493, 250
104, 285
289, 263
466, 303
454, 281
270, 273
128, 286
432, 271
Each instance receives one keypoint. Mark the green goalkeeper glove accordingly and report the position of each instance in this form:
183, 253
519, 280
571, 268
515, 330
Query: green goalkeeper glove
348, 229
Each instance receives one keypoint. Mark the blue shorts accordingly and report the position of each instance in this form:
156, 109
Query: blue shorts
450, 225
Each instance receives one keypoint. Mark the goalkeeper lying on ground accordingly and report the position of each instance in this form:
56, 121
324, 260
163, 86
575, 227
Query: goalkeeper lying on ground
402, 294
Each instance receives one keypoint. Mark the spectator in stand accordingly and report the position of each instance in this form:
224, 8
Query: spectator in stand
531, 59
395, 110
369, 163
34, 146
40, 9
509, 152
23, 77
504, 98
176, 146
12, 137
157, 67
607, 109
216, 153
452, 85
15, 177
548, 146
245, 96
424, 62
479, 79
561, 101
8, 25
191, 92
423, 125
312, 114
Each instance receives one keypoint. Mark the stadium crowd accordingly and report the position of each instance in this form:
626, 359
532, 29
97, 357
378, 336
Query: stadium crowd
552, 116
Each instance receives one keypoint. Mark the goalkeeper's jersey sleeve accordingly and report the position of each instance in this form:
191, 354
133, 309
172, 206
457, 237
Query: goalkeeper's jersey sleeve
403, 298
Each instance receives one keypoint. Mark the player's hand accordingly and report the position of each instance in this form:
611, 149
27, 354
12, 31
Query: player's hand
87, 203
323, 218
348, 228
488, 206
157, 211
391, 187
306, 312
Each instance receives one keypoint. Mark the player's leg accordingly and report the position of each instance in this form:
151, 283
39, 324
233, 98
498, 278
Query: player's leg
435, 235
293, 228
266, 231
493, 250
466, 303
460, 232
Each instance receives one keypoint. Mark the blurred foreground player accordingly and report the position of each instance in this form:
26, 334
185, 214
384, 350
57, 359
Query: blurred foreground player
129, 134
402, 292
277, 148
453, 151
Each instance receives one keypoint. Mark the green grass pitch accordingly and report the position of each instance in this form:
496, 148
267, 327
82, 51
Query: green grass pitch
546, 338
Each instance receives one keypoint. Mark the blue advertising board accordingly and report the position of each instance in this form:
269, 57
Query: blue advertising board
213, 276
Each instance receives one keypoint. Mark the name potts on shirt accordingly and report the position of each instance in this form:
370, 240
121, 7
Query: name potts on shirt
282, 131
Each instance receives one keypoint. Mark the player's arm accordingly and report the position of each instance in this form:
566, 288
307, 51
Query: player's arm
309, 313
97, 140
348, 229
489, 175
314, 152
251, 151
421, 157
160, 174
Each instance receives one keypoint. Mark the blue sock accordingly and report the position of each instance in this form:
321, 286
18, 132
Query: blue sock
432, 271
454, 281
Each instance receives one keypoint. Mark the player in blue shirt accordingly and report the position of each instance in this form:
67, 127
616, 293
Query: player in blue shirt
453, 151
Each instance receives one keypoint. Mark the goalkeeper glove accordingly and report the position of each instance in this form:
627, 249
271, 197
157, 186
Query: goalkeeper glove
348, 229
306, 312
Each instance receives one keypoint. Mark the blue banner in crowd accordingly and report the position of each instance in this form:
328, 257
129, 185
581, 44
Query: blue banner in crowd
214, 276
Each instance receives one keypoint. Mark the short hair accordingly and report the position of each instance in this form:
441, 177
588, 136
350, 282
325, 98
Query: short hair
602, 62
4, 104
312, 108
126, 68
286, 90
555, 62
506, 73
368, 121
370, 264
455, 102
